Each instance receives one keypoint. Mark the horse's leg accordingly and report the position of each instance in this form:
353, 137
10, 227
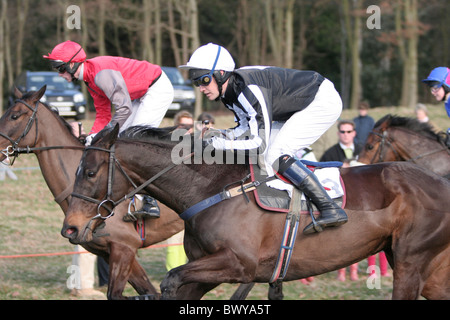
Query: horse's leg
407, 283
242, 292
437, 283
220, 267
140, 281
276, 291
194, 291
124, 267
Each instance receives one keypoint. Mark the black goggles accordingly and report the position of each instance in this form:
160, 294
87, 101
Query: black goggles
59, 66
203, 80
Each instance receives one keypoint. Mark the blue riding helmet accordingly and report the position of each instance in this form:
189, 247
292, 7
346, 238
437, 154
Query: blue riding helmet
439, 77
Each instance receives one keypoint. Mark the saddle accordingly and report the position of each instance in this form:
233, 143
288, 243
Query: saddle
272, 199
275, 200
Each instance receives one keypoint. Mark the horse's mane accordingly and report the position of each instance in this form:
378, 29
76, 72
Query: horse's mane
412, 124
151, 134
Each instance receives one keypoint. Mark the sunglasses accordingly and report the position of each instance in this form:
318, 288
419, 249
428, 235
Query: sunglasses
343, 131
204, 80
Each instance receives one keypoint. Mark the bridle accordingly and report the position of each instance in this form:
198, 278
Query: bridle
386, 141
13, 150
108, 204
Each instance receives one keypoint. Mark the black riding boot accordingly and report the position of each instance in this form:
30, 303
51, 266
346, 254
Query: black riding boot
331, 215
150, 208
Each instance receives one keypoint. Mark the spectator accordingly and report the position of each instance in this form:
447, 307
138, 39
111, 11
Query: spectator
205, 118
175, 255
371, 261
363, 123
422, 116
86, 261
183, 118
346, 149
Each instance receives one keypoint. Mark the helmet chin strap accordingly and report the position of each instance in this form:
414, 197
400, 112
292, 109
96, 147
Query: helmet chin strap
221, 79
76, 65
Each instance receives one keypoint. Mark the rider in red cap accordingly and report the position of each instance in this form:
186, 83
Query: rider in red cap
140, 91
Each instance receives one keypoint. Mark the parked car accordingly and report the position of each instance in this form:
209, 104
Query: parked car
184, 95
63, 95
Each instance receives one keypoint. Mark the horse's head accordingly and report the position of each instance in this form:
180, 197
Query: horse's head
378, 146
17, 123
92, 202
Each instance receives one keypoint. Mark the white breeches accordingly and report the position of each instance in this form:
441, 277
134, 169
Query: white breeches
150, 109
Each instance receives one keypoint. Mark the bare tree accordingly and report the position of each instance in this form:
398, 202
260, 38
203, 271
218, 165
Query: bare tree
407, 29
352, 16
279, 19
22, 12
184, 36
4, 10
101, 20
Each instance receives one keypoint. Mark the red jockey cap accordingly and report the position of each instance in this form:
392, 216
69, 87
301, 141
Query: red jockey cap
67, 51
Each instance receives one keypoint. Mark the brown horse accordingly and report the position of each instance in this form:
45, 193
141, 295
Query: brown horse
397, 207
406, 139
33, 126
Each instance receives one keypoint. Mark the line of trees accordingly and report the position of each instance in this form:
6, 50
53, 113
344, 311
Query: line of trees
372, 50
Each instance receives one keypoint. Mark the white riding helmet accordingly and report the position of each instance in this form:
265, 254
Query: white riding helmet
210, 57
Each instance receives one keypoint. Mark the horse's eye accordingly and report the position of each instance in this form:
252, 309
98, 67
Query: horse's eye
91, 174
369, 147
14, 116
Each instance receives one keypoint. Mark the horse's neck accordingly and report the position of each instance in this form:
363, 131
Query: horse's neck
58, 166
410, 144
422, 151
191, 182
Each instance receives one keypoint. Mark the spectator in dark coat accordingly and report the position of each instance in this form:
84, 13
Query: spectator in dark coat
346, 149
363, 123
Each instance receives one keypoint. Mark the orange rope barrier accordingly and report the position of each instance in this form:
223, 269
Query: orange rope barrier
156, 246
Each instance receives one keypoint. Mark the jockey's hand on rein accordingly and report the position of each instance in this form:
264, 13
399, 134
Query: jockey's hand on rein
210, 133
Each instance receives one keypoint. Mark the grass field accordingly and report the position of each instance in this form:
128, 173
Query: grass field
30, 222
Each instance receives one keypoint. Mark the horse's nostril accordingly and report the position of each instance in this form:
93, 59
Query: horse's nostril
70, 232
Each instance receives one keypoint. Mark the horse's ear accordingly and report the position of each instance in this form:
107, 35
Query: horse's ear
111, 137
38, 94
17, 93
